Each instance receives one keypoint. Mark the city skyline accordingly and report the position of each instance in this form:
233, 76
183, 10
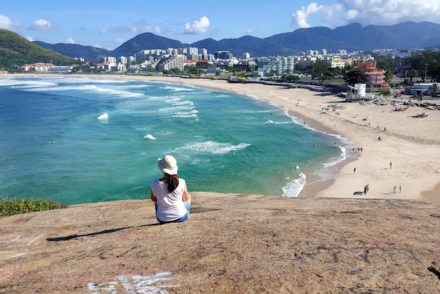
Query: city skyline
109, 24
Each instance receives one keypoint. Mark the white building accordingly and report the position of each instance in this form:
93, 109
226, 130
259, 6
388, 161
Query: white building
172, 63
111, 59
122, 67
246, 55
324, 52
193, 51
132, 59
123, 59
279, 65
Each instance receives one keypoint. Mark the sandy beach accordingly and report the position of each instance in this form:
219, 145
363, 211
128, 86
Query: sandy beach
411, 145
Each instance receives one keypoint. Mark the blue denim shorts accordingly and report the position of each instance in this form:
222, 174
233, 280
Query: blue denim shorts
179, 220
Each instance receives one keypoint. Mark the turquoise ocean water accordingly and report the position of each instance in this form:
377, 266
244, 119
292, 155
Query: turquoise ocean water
79, 140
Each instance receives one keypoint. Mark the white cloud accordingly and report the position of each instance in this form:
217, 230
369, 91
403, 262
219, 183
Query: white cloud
197, 26
391, 11
138, 27
351, 14
251, 31
299, 18
30, 39
368, 12
42, 25
5, 22
70, 40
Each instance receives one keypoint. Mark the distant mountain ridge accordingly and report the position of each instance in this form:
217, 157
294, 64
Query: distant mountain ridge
407, 35
75, 50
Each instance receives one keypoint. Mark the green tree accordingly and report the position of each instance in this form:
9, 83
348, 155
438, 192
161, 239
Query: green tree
322, 71
289, 78
435, 90
354, 76
427, 63
413, 73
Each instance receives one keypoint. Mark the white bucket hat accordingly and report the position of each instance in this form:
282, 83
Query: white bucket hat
168, 164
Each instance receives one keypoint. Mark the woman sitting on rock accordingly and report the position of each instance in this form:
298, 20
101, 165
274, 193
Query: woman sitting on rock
170, 194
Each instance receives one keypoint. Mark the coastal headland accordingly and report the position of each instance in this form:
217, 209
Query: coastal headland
384, 241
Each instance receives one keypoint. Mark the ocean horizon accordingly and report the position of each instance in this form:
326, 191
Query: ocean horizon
81, 140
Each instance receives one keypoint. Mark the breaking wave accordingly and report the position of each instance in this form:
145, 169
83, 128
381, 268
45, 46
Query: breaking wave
89, 88
294, 188
213, 147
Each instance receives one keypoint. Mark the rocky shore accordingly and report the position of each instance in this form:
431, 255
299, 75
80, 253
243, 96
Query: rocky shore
231, 244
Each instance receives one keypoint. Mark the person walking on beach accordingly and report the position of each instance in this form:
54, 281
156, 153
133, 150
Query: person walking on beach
365, 189
400, 189
394, 189
391, 165
170, 193
354, 170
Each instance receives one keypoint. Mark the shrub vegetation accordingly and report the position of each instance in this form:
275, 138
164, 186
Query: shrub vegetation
19, 206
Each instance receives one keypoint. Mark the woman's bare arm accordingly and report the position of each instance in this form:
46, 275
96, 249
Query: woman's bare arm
186, 196
153, 197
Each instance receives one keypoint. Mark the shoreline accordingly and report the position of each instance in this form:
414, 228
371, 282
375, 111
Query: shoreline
347, 122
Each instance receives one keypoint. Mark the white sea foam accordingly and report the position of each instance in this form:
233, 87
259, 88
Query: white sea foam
294, 188
89, 88
213, 147
175, 108
177, 89
150, 137
103, 117
271, 122
345, 142
187, 114
25, 83
338, 159
92, 81
183, 103
180, 109
133, 87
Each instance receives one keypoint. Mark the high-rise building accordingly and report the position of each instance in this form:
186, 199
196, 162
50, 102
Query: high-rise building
223, 55
246, 55
172, 63
132, 59
324, 51
193, 51
111, 59
123, 59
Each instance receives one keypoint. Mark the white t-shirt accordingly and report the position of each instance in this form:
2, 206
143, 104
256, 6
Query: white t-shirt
169, 205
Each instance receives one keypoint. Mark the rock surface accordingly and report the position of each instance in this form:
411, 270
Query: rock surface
231, 243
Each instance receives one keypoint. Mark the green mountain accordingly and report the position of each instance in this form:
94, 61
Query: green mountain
16, 51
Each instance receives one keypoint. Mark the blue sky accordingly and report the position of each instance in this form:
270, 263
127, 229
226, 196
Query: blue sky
109, 23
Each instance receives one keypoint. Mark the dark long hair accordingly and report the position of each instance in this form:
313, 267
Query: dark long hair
172, 181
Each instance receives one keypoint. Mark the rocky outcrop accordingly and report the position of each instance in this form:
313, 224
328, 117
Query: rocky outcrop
231, 243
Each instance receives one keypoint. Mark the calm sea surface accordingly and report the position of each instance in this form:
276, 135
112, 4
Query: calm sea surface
57, 142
